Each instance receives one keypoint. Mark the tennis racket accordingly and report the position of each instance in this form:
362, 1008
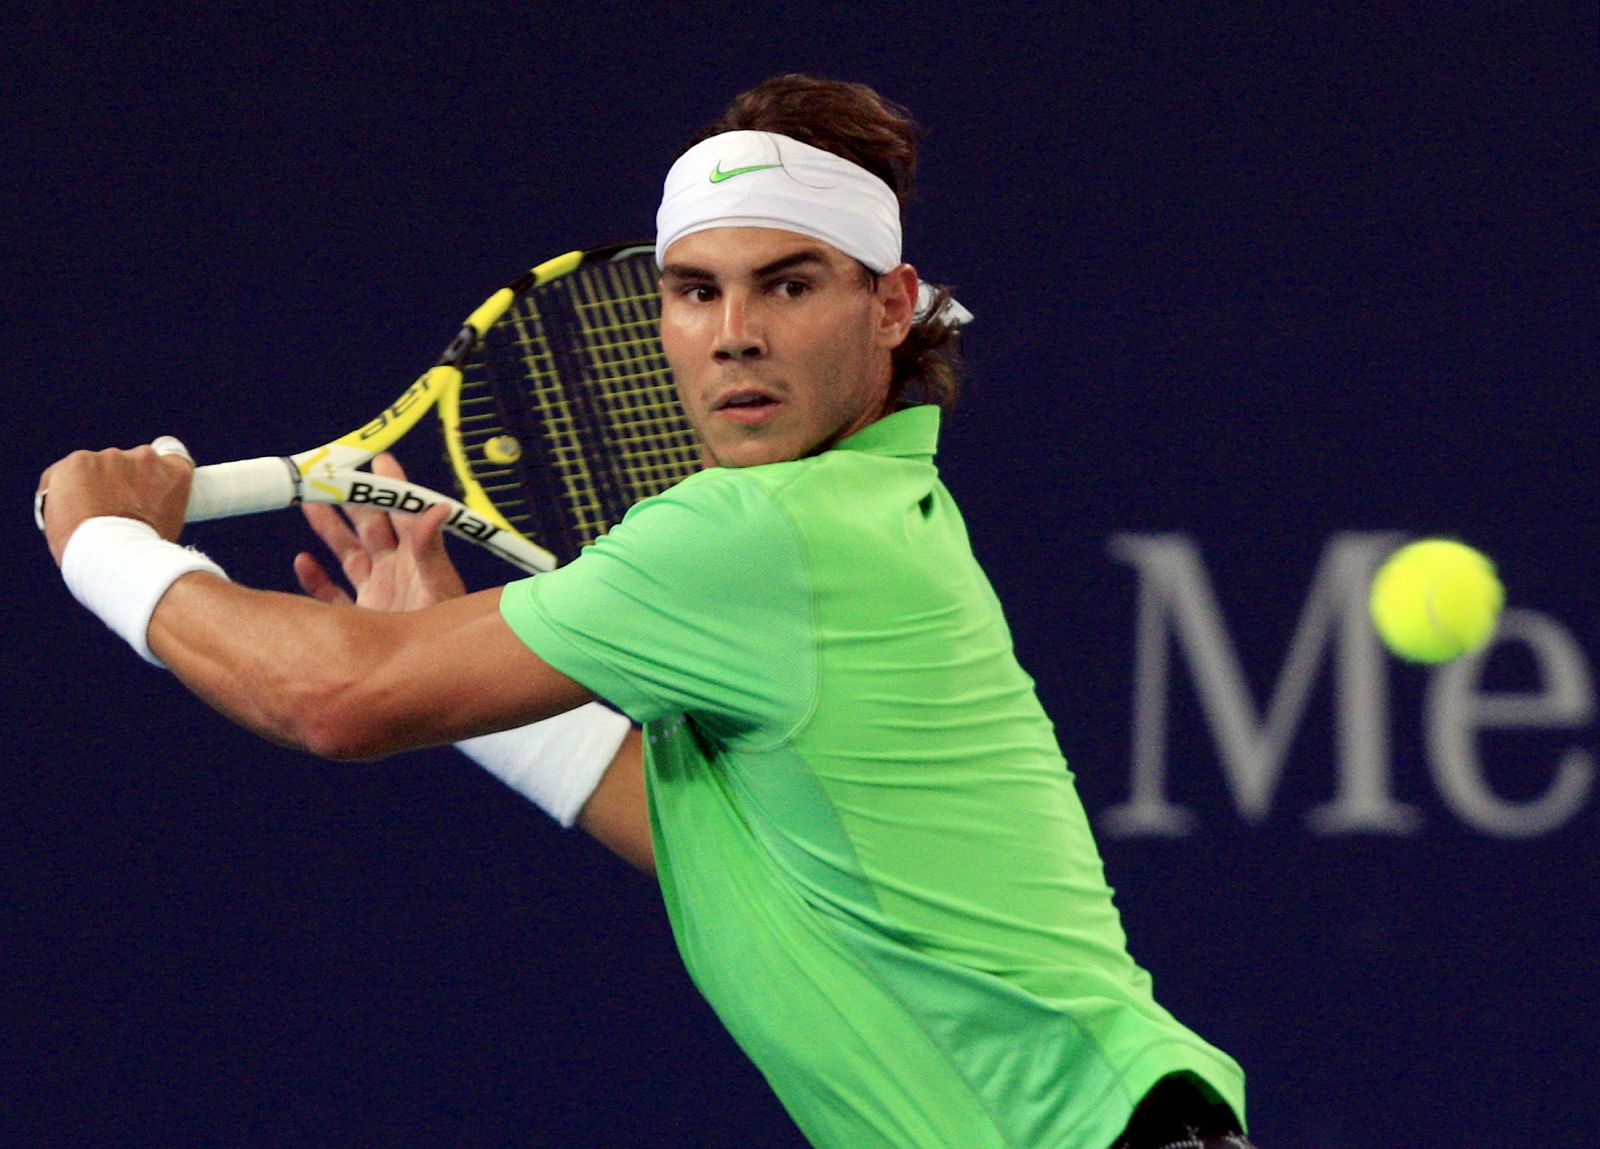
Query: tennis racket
557, 409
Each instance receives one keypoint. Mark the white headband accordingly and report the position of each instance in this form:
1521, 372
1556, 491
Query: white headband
762, 179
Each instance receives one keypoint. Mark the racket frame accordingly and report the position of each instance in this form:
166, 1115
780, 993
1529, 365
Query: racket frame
330, 473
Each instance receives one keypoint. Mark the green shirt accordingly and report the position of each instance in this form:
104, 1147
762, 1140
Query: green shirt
873, 856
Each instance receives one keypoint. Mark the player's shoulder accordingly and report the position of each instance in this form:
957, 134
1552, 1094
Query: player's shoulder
741, 486
747, 507
716, 508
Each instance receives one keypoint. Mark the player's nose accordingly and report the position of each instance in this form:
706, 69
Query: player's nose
739, 335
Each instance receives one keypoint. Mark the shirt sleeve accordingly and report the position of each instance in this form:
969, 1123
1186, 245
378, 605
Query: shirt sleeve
698, 602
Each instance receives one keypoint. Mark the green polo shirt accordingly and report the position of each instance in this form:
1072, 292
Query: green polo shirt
873, 856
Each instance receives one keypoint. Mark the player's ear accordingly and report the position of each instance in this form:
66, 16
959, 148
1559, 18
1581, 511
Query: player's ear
897, 292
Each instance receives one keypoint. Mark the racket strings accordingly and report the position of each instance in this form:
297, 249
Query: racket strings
568, 416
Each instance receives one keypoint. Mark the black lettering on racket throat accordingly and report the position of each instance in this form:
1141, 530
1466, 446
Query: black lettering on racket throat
418, 394
409, 502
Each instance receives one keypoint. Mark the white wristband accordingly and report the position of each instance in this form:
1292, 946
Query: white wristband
556, 763
119, 568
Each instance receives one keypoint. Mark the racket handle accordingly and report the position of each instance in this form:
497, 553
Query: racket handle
246, 487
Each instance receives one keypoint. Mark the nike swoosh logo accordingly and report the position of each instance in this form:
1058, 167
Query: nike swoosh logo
718, 175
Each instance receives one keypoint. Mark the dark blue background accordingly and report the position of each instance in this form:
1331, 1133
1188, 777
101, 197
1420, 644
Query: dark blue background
1258, 276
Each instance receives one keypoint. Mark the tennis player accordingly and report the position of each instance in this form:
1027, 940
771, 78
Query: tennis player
871, 850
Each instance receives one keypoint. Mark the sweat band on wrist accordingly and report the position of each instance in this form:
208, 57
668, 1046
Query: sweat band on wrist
557, 763
119, 568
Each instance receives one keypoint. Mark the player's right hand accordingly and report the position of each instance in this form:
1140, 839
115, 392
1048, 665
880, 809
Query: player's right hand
149, 483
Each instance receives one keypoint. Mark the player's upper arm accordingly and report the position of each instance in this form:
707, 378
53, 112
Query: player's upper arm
698, 602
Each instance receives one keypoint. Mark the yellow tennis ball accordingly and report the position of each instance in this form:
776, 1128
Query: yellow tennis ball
1436, 600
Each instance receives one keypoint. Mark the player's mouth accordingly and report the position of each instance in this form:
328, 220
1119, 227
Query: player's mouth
746, 406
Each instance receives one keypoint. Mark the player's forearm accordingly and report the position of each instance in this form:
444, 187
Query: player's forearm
617, 813
339, 682
276, 664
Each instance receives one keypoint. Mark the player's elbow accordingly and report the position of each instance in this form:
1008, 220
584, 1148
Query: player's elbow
340, 722
339, 743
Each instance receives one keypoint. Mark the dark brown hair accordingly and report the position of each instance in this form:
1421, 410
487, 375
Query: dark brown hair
853, 121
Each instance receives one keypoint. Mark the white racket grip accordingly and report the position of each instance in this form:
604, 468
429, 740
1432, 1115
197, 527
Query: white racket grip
246, 487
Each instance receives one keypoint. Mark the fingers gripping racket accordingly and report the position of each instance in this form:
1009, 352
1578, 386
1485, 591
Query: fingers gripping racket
557, 409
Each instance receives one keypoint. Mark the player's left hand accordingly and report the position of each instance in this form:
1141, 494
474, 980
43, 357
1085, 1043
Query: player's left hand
149, 483
392, 561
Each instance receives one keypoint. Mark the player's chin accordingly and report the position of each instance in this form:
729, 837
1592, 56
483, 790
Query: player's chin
753, 450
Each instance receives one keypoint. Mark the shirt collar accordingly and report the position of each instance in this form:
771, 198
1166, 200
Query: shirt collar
909, 433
